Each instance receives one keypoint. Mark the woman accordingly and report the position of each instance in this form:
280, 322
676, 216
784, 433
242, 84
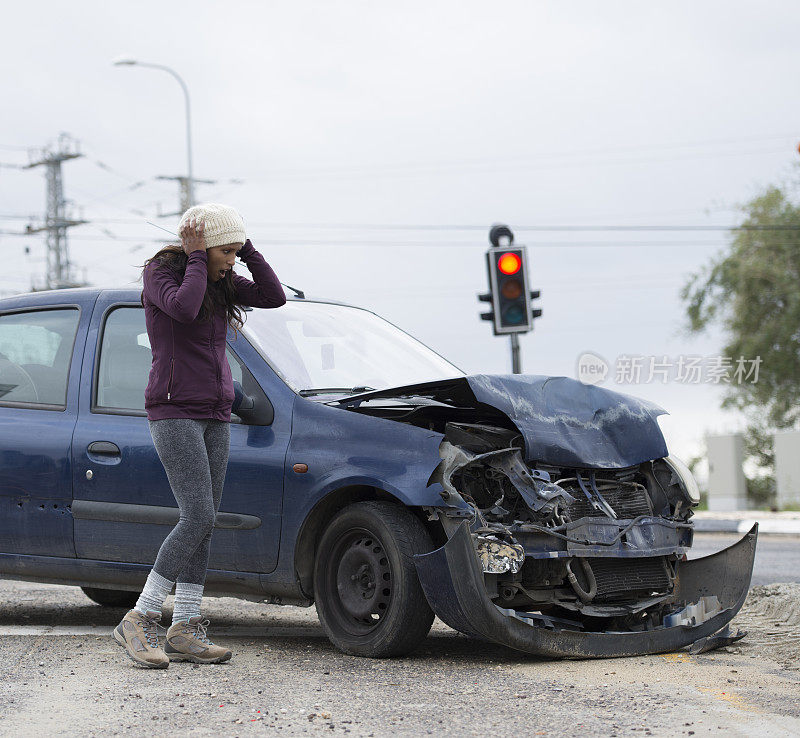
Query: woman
190, 297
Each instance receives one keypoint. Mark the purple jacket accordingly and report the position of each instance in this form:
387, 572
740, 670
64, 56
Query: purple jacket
190, 376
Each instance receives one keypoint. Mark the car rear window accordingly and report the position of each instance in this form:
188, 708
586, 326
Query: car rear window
35, 354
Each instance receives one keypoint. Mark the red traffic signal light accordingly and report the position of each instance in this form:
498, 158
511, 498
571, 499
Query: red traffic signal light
509, 262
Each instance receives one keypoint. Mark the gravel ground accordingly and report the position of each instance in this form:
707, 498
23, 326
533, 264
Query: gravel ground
63, 675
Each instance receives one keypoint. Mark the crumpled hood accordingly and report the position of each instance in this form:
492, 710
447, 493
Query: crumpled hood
566, 422
563, 421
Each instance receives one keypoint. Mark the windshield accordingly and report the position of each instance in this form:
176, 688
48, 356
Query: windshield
316, 345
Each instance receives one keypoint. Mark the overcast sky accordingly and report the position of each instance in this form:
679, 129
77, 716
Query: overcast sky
370, 145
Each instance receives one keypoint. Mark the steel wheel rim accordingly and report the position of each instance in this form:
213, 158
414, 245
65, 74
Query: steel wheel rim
359, 578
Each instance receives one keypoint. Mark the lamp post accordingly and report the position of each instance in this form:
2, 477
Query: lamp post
127, 62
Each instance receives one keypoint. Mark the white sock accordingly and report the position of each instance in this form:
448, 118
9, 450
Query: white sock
155, 591
187, 601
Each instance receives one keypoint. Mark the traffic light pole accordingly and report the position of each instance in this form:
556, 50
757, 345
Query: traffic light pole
516, 363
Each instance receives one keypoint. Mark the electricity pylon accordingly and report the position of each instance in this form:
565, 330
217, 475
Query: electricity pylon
56, 221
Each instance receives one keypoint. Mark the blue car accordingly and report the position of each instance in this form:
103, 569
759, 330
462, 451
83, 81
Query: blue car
367, 475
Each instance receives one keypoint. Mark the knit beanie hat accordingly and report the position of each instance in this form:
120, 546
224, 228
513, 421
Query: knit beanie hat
223, 224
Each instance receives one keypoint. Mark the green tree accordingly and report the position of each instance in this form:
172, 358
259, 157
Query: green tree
753, 291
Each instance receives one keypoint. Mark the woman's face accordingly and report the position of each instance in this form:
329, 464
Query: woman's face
221, 259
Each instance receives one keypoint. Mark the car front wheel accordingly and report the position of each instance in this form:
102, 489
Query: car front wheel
366, 590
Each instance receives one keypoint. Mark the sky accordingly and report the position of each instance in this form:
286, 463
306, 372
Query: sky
370, 146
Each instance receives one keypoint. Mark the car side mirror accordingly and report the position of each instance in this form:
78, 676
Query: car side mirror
241, 401
253, 409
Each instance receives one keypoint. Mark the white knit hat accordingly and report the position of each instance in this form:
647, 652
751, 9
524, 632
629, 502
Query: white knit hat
223, 224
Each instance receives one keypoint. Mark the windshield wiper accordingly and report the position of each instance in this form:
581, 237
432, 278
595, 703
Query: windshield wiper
335, 391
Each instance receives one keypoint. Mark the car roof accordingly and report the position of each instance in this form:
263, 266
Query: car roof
87, 295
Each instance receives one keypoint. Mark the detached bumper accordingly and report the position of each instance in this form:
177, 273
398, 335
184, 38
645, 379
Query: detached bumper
452, 580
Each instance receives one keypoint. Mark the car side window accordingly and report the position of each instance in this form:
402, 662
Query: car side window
35, 354
125, 359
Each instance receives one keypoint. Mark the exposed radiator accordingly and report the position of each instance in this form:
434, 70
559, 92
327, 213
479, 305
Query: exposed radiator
627, 501
630, 578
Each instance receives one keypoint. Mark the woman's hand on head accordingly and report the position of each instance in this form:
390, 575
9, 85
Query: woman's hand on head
192, 238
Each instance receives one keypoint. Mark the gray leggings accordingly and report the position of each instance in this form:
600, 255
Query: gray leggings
195, 456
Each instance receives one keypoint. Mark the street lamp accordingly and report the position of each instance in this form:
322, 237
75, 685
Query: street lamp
124, 61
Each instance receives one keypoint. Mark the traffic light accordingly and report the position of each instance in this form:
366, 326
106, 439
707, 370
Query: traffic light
508, 280
509, 293
511, 299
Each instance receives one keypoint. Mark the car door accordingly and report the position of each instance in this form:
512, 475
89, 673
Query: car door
123, 506
40, 353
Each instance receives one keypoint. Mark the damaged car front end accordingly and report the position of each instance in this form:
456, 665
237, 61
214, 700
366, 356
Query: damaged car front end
567, 523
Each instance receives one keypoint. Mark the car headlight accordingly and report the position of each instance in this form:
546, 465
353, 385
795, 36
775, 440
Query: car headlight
685, 477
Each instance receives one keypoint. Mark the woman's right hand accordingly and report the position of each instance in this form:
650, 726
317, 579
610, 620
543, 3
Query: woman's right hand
192, 238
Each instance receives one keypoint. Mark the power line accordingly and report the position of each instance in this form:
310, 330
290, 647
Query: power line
292, 242
465, 227
522, 163
111, 170
662, 146
648, 214
632, 228
532, 228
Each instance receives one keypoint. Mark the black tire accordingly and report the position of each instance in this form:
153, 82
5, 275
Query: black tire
367, 594
111, 597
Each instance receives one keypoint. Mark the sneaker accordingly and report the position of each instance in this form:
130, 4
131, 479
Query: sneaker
187, 641
138, 635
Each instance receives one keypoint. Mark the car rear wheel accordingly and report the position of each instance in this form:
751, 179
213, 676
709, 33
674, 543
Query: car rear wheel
366, 590
111, 597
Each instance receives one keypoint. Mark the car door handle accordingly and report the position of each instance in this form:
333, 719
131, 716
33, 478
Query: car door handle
104, 448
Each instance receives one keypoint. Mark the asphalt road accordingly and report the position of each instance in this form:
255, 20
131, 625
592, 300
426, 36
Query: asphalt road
777, 557
63, 675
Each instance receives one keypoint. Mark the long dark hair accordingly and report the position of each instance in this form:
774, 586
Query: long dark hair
174, 258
